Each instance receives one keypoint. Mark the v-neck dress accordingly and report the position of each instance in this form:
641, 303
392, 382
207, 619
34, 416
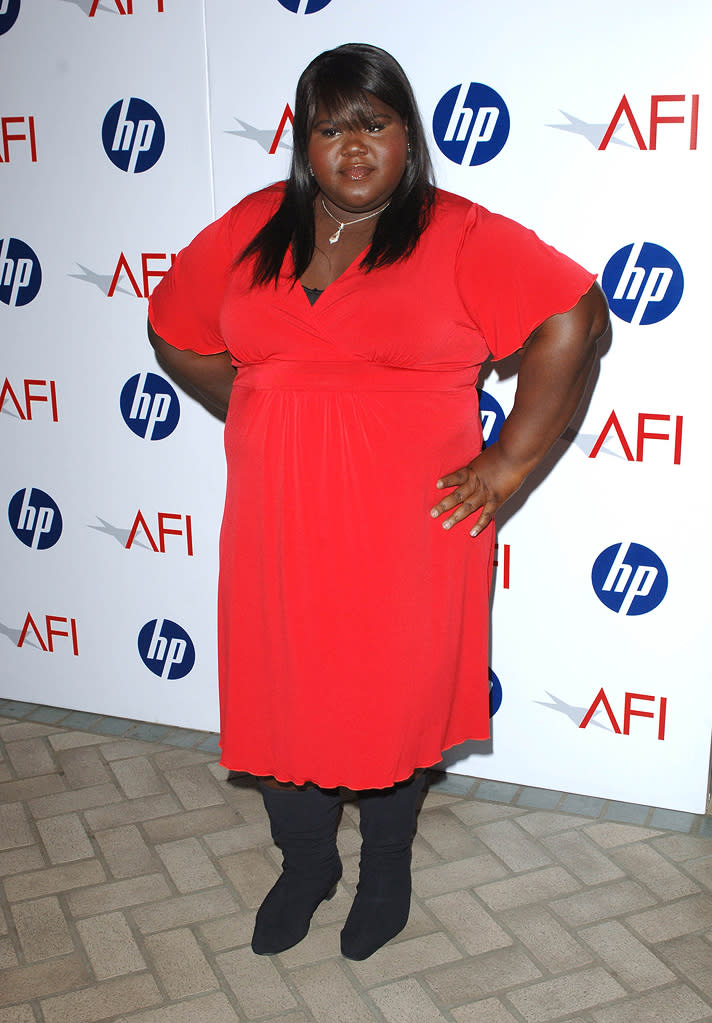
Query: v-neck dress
352, 628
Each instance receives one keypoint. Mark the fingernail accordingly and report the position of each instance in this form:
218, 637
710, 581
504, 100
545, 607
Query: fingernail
446, 525
434, 512
440, 484
474, 532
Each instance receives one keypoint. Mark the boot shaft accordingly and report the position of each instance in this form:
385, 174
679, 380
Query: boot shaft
389, 816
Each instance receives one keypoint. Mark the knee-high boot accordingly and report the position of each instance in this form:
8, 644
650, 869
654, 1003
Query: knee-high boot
303, 824
382, 904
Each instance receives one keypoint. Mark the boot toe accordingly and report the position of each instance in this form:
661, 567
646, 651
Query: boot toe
284, 917
371, 924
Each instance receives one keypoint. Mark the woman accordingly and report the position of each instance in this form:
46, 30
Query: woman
357, 303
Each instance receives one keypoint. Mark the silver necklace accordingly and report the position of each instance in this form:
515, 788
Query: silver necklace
333, 239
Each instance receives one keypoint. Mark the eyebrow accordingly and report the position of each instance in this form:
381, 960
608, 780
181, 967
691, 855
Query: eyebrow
330, 121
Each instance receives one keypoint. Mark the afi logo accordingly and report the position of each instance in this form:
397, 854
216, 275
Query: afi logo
495, 694
602, 135
269, 139
120, 7
46, 640
304, 6
26, 135
643, 283
491, 416
471, 124
162, 531
166, 649
133, 135
28, 397
613, 425
150, 406
629, 712
629, 587
20, 272
147, 273
624, 110
35, 519
9, 10
502, 559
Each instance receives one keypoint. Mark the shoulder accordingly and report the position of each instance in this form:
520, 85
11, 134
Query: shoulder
231, 232
261, 203
453, 216
455, 211
249, 215
452, 220
480, 230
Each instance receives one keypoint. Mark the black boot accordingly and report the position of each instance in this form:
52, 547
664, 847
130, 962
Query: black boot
303, 824
382, 904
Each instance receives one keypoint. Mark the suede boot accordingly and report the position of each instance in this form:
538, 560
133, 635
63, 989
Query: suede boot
382, 904
303, 824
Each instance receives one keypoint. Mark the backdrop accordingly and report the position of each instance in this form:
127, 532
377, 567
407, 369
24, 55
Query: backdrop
127, 125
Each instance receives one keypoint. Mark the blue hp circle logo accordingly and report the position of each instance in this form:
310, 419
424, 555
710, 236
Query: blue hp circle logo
492, 417
304, 6
629, 579
643, 283
150, 406
9, 10
495, 694
35, 518
471, 124
133, 135
166, 649
20, 271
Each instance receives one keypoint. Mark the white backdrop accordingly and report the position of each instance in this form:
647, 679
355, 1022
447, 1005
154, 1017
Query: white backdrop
601, 681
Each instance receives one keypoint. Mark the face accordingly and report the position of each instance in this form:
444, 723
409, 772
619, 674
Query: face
359, 168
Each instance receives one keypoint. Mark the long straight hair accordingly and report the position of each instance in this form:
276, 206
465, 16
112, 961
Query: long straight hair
340, 81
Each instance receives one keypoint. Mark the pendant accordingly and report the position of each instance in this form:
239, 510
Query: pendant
333, 239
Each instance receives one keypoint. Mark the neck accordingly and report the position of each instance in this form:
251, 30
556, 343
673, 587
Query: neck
367, 220
347, 217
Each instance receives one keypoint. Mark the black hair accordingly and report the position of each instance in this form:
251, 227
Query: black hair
340, 80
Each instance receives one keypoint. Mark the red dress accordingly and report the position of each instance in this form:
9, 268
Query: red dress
352, 628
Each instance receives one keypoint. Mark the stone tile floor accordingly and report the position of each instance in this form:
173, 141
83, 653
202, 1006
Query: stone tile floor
131, 869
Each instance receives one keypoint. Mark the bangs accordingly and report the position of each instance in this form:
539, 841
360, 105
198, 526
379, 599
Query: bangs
346, 105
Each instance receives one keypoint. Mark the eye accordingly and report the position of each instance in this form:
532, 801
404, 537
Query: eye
329, 133
375, 127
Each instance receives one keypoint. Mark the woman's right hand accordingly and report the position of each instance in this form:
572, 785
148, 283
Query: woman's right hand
207, 377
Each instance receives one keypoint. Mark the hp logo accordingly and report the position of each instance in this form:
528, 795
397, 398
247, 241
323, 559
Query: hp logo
495, 694
471, 124
35, 519
133, 135
304, 6
629, 579
9, 10
492, 417
643, 283
150, 406
166, 649
20, 272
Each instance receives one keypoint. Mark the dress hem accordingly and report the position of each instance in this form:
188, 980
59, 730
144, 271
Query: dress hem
369, 784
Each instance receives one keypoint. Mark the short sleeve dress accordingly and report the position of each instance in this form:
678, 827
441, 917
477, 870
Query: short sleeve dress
352, 628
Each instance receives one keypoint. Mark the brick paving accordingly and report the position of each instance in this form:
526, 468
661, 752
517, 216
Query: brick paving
131, 868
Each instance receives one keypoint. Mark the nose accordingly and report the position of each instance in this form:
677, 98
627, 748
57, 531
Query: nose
353, 142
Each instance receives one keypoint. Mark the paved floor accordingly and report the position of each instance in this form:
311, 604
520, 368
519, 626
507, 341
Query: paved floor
131, 870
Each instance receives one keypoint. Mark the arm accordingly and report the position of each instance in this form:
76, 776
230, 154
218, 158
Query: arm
555, 365
208, 377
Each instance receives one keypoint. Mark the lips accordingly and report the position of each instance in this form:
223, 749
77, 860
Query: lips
357, 172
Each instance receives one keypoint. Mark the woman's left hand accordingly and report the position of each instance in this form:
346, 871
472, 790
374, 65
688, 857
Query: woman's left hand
555, 364
482, 486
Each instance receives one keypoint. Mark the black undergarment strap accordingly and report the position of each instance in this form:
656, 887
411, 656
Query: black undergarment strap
312, 293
